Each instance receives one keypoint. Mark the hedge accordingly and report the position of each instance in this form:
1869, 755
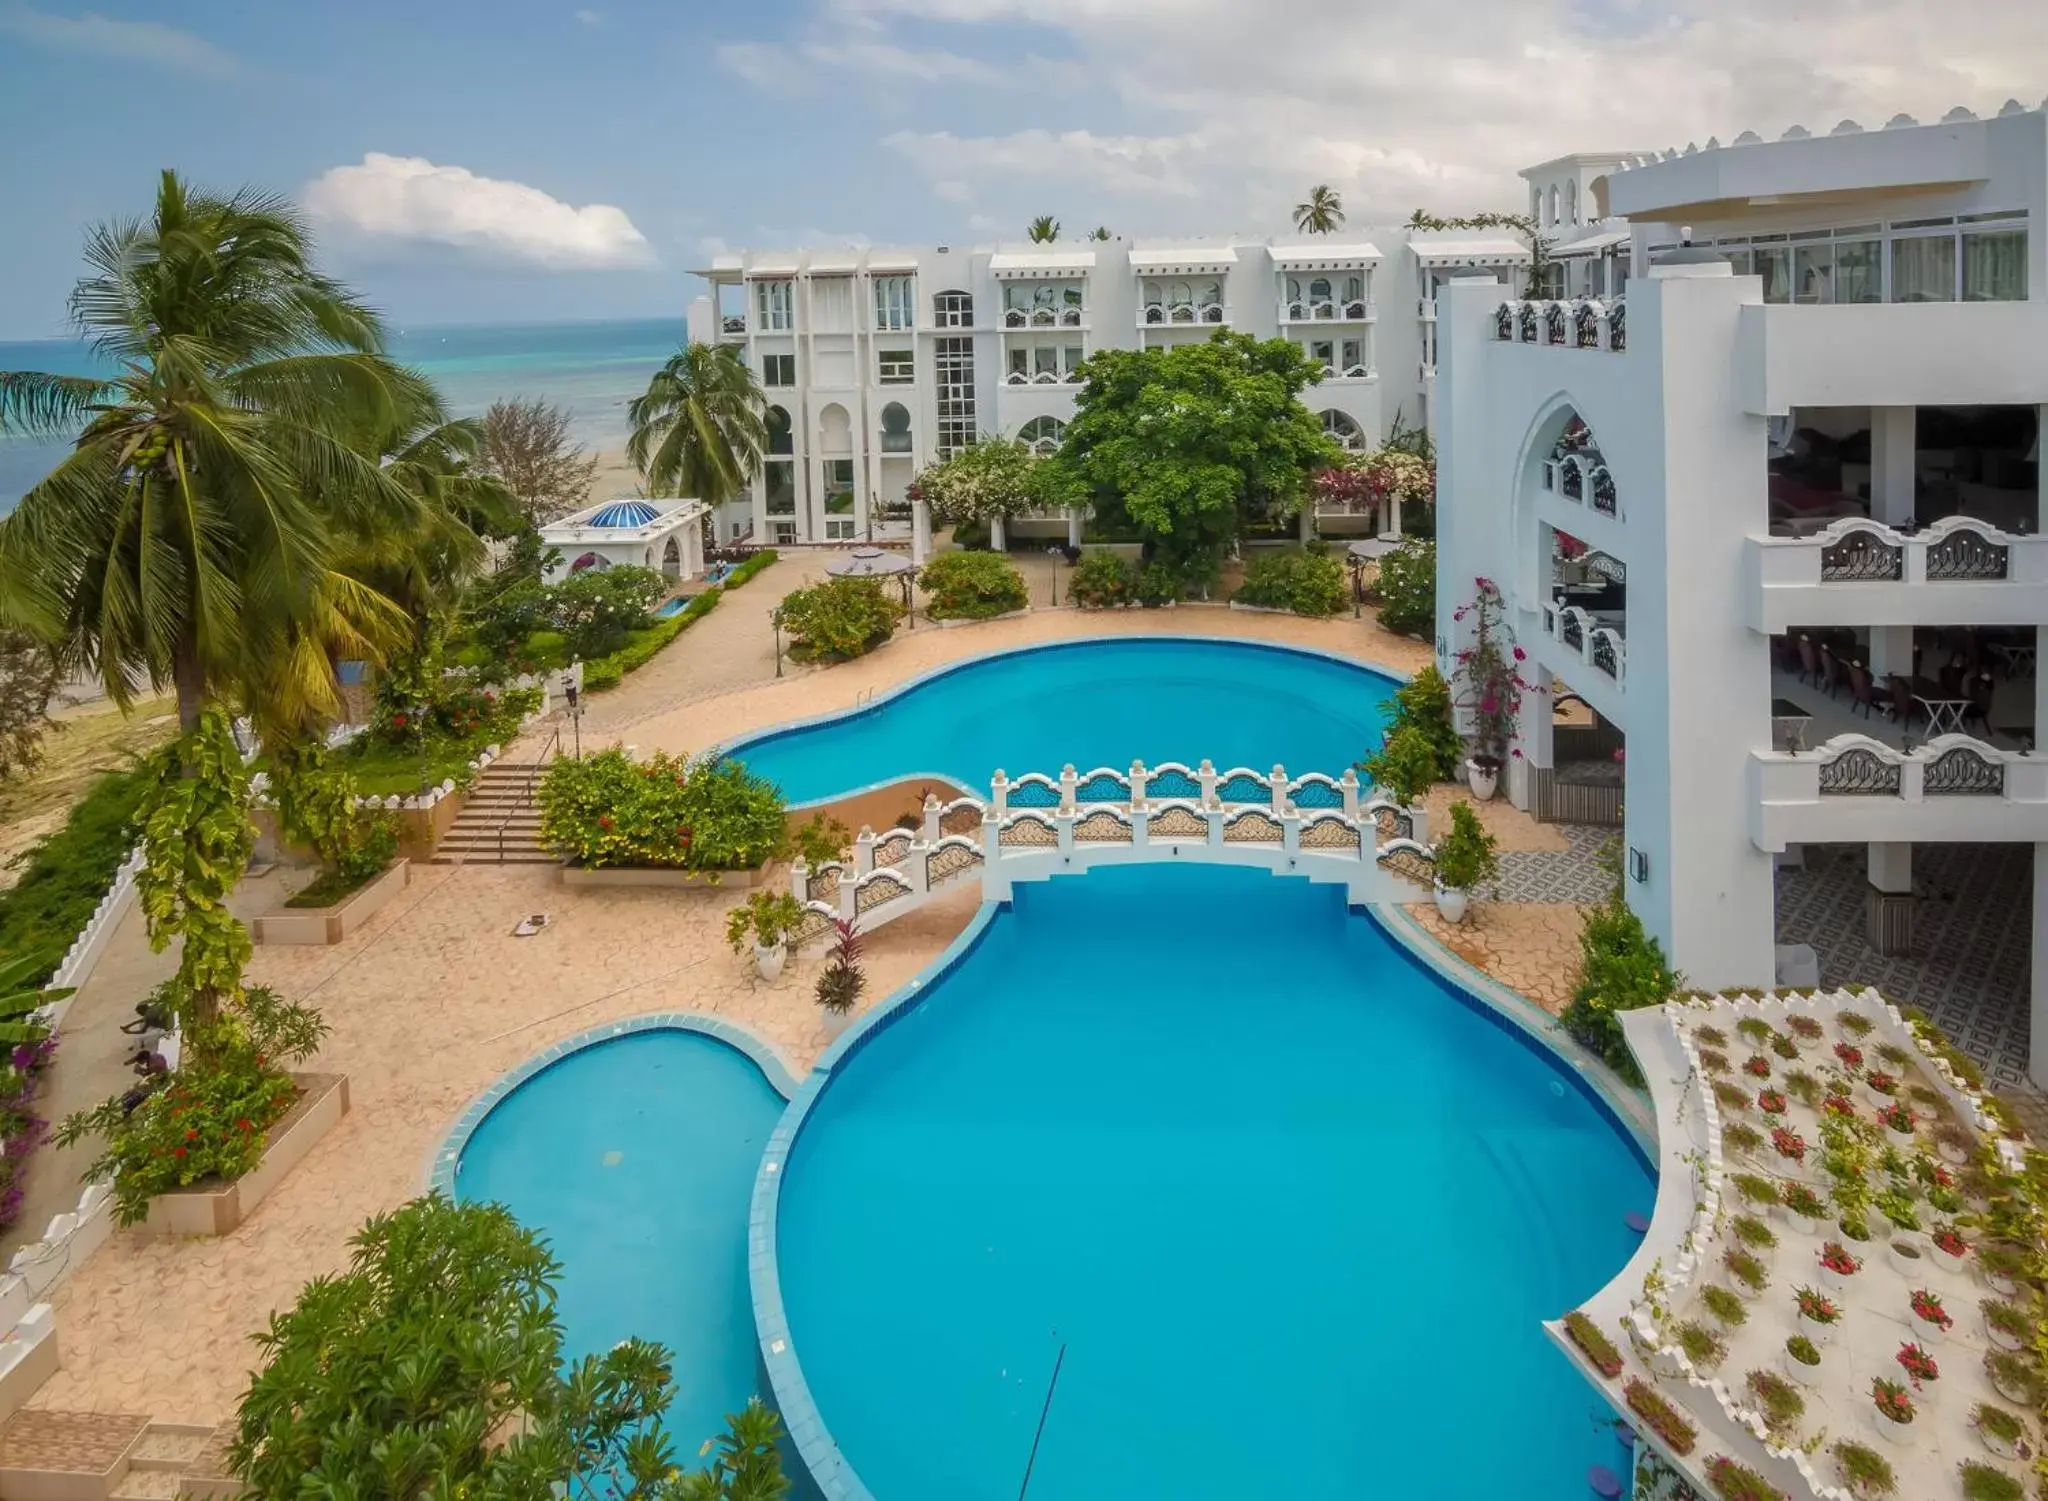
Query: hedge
1305, 582
644, 645
749, 568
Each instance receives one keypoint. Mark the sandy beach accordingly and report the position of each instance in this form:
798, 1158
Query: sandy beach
615, 477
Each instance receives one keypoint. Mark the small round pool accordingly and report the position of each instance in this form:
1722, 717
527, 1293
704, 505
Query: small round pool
1285, 1209
634, 1159
1092, 703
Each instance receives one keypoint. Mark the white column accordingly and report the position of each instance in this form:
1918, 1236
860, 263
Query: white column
2037, 1038
1307, 520
1889, 906
1533, 726
998, 532
1891, 651
920, 532
1074, 528
1893, 436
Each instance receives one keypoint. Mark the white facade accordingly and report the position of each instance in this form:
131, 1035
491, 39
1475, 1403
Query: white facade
876, 362
1771, 437
665, 535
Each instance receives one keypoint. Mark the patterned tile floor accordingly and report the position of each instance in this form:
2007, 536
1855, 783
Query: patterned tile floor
1972, 938
1572, 875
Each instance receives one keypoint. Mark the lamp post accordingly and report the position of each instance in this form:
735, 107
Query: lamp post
775, 619
574, 695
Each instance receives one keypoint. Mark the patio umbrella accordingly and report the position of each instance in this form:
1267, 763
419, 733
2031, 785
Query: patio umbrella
873, 563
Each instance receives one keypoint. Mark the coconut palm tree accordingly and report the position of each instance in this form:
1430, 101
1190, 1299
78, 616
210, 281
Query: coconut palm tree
193, 525
1100, 232
1321, 212
1043, 230
698, 430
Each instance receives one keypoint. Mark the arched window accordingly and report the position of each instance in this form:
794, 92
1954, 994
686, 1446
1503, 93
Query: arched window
1043, 435
781, 441
672, 559
1354, 288
1347, 432
895, 428
590, 562
1552, 220
1294, 289
953, 310
835, 430
1319, 289
1571, 201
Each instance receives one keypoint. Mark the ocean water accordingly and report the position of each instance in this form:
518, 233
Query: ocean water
634, 1160
1292, 1208
592, 369
1097, 703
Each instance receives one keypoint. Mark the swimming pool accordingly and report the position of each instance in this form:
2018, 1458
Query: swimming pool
634, 1159
1285, 1208
1094, 703
671, 607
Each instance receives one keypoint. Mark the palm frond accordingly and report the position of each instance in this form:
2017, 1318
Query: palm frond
37, 405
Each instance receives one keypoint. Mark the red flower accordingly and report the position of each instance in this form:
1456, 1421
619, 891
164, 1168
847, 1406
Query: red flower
1850, 1054
191, 1135
1770, 1102
1919, 1365
1881, 1081
398, 721
245, 1124
1758, 1066
1927, 1308
604, 821
1520, 655
1836, 1104
1950, 1242
179, 1153
1836, 1258
1789, 1144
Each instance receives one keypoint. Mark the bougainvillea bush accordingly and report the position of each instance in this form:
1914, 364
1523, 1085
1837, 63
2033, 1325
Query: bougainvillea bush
668, 812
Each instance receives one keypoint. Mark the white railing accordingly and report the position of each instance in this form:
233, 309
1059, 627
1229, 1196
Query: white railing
1164, 314
1321, 827
1954, 550
1858, 788
1045, 317
1601, 647
1583, 478
1580, 323
1321, 310
1044, 378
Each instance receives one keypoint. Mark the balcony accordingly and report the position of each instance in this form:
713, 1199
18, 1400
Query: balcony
732, 328
1856, 789
1347, 372
1044, 378
1045, 317
1583, 479
1358, 310
1584, 323
1167, 314
1959, 571
1595, 640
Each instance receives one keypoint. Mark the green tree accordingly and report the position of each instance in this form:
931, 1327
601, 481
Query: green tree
699, 428
1321, 212
749, 1464
1100, 233
28, 680
1621, 968
1192, 441
433, 1367
990, 478
527, 445
21, 995
1043, 230
192, 528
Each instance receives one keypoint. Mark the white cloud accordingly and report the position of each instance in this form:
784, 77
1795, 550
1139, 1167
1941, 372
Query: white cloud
763, 64
777, 69
411, 198
1409, 103
590, 17
130, 41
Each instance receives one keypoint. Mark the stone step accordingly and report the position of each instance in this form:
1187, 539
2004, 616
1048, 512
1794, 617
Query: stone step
141, 1484
490, 857
169, 1447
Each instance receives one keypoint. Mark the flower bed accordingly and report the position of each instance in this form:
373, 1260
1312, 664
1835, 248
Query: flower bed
21, 1129
665, 813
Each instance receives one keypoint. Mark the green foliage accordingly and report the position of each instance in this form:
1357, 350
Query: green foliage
607, 810
994, 477
822, 840
765, 920
434, 1367
746, 570
210, 1119
68, 871
21, 995
1158, 585
839, 619
1407, 589
1102, 580
316, 806
1865, 1467
1405, 768
748, 1466
196, 840
1467, 856
413, 749
700, 427
971, 586
1423, 705
28, 679
842, 981
1621, 968
1191, 442
1307, 581
644, 645
1983, 1482
596, 608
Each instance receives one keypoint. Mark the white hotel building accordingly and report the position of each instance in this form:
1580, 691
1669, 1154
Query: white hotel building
877, 362
1776, 518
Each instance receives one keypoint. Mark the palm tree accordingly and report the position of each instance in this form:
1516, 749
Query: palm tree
191, 530
21, 996
1043, 230
698, 431
1100, 232
1321, 213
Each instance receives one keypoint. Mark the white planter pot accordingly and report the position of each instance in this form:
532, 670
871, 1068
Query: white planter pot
1811, 1044
1878, 1099
1952, 1154
1837, 1281
2017, 1398
1954, 1265
1800, 1373
836, 1022
2004, 1286
1904, 1264
1483, 782
1928, 1333
1821, 1334
1801, 1225
768, 962
1900, 1434
1451, 902
2001, 1447
2001, 1339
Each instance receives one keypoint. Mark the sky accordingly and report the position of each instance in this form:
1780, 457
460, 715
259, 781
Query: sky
464, 161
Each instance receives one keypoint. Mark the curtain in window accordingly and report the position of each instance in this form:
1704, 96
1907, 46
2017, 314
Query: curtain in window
1774, 265
1995, 266
1813, 272
1924, 269
1859, 274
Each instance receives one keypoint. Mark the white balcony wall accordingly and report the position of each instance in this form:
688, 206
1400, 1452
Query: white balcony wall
1789, 806
1893, 355
1785, 586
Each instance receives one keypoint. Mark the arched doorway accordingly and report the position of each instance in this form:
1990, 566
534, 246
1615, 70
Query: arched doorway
672, 559
590, 562
1342, 427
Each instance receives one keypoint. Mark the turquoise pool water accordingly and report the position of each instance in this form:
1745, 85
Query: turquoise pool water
1293, 1207
670, 607
1094, 703
634, 1159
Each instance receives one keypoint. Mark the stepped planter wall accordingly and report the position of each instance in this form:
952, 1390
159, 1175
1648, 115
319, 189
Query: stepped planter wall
217, 1208
652, 875
332, 924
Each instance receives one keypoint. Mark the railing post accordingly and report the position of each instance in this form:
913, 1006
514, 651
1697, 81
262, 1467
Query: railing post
863, 852
995, 886
1063, 827
1215, 814
999, 794
1913, 777
799, 879
1205, 774
1418, 824
920, 871
1280, 790
848, 899
1349, 784
1068, 783
1915, 559
1138, 775
931, 818
1290, 831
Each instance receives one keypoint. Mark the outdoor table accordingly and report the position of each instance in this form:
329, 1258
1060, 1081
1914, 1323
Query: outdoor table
2017, 656
1788, 724
1944, 712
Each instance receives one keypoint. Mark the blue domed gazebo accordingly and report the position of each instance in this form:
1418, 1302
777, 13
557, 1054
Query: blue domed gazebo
665, 535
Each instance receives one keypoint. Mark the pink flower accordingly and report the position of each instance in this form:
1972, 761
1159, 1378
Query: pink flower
1488, 705
1520, 656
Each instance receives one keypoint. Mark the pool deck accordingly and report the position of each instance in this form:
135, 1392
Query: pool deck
434, 999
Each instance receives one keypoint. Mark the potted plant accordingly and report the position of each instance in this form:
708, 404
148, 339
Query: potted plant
1734, 1481
1777, 1399
1919, 1366
1713, 1060
2004, 1264
1854, 1023
1712, 1037
1867, 1473
1954, 1144
1754, 1234
1929, 1317
1755, 1029
842, 980
1745, 1139
1723, 1305
1466, 857
765, 920
1804, 1208
1405, 768
1804, 1088
1950, 1248
1802, 1360
1806, 1032
2012, 1376
1704, 1348
1837, 1265
1789, 1144
2005, 1325
1893, 1409
1849, 1056
1596, 1346
1897, 1119
1904, 1256
2000, 1432
1770, 1101
1746, 1272
1756, 1189
1757, 1066
1731, 1096
1818, 1314
1492, 686
1664, 1420
1982, 1482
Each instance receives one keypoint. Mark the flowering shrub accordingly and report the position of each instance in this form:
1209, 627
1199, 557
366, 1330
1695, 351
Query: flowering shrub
1850, 1054
1394, 474
607, 810
1817, 1307
1891, 1400
1102, 581
1597, 1347
1918, 1365
1803, 1201
21, 1129
839, 619
993, 477
1407, 589
1927, 1308
1836, 1258
1493, 684
1666, 1421
1789, 1144
971, 586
